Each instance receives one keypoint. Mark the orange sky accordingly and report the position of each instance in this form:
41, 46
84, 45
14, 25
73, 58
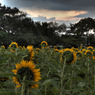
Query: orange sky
59, 15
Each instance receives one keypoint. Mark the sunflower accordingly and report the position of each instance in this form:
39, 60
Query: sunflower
79, 54
23, 47
61, 51
69, 55
56, 50
73, 48
83, 50
30, 53
55, 47
88, 53
37, 50
29, 56
30, 48
93, 57
3, 47
90, 48
93, 54
13, 46
76, 49
20, 47
26, 68
44, 44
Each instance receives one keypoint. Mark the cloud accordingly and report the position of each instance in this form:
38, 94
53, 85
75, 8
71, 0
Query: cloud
43, 19
59, 10
56, 14
87, 5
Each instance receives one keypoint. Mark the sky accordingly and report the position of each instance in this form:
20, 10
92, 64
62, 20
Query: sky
61, 11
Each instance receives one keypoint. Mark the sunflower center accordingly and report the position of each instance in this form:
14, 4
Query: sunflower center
68, 56
13, 46
25, 71
89, 54
44, 44
90, 49
79, 54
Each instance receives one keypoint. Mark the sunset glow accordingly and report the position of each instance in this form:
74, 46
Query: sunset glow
59, 15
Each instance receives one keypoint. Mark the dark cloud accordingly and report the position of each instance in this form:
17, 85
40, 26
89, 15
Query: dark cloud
87, 5
62, 5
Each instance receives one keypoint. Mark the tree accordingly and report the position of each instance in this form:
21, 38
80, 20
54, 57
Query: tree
84, 25
81, 29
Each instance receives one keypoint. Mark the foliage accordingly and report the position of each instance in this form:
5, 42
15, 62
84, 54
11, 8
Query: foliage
57, 77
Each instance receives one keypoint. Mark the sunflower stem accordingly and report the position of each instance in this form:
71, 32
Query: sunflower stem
23, 90
94, 77
28, 93
46, 84
61, 81
88, 71
16, 90
46, 89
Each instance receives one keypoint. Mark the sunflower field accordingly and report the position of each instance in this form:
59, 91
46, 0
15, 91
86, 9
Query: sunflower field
47, 71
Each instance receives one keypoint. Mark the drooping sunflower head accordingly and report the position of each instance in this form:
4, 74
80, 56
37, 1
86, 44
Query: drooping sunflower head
13, 46
90, 48
68, 56
89, 53
44, 44
29, 56
32, 55
79, 54
30, 48
26, 68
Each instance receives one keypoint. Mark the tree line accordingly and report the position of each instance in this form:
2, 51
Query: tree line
16, 26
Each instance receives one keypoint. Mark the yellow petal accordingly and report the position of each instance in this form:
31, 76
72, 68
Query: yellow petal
23, 63
32, 66
37, 73
18, 66
19, 85
36, 70
15, 71
34, 86
36, 80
